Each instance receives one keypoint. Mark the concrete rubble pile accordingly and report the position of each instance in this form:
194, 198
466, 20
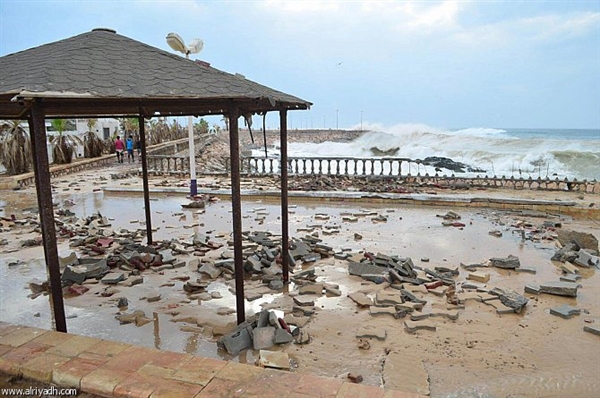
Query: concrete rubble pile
261, 332
116, 257
348, 183
405, 284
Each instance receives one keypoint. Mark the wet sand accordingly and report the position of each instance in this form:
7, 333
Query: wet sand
480, 354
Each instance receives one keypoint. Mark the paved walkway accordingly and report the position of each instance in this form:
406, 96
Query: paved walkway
114, 369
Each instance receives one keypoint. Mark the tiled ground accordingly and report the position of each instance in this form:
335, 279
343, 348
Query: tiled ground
115, 369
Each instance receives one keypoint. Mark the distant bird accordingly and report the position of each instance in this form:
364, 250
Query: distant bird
339, 63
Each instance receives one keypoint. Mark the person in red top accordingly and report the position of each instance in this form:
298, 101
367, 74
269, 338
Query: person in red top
119, 148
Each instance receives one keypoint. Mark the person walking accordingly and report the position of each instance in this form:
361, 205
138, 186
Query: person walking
119, 148
129, 144
138, 146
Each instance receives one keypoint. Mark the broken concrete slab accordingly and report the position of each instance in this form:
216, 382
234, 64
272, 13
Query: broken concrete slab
167, 256
113, 278
366, 268
502, 309
299, 321
452, 315
331, 290
361, 299
573, 278
586, 259
567, 289
387, 297
314, 288
236, 341
594, 329
413, 326
371, 331
138, 317
511, 299
303, 310
374, 310
565, 311
583, 240
482, 277
153, 297
71, 259
304, 301
527, 270
274, 359
532, 288
410, 306
510, 262
74, 274
568, 268
210, 270
282, 336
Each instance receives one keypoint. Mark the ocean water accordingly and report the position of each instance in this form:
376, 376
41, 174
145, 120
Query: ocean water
553, 153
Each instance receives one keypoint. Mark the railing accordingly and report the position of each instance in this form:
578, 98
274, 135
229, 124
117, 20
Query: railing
168, 164
334, 166
410, 171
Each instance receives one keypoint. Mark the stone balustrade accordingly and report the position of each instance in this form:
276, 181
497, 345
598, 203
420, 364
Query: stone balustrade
168, 164
411, 171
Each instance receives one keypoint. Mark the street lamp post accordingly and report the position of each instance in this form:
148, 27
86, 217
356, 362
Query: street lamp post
361, 112
195, 46
193, 183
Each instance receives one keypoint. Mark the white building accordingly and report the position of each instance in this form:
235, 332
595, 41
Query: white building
104, 128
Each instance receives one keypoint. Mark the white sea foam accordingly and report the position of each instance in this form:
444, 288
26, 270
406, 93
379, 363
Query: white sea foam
508, 152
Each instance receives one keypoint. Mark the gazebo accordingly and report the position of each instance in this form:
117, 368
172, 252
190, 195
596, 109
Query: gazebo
103, 74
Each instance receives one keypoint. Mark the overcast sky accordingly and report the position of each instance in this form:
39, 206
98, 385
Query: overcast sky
447, 64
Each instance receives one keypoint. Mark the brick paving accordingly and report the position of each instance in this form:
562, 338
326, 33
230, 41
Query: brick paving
113, 369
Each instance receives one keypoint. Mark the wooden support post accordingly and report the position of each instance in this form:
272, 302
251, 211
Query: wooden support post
145, 181
285, 259
236, 203
46, 210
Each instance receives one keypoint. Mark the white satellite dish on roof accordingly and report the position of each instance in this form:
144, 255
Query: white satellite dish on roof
176, 43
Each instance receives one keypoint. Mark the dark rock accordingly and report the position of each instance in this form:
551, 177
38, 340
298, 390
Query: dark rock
123, 303
447, 163
510, 262
236, 341
72, 275
354, 378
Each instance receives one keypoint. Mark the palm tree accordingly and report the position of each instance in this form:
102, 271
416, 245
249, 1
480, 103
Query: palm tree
15, 147
201, 126
130, 125
92, 145
159, 131
176, 131
63, 145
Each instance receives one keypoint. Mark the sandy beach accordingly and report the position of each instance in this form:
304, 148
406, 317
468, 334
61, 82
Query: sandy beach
477, 350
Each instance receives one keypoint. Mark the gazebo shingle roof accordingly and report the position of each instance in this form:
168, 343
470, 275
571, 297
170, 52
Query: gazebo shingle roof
102, 65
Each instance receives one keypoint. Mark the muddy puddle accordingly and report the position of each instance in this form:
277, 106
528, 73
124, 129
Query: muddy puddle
481, 354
